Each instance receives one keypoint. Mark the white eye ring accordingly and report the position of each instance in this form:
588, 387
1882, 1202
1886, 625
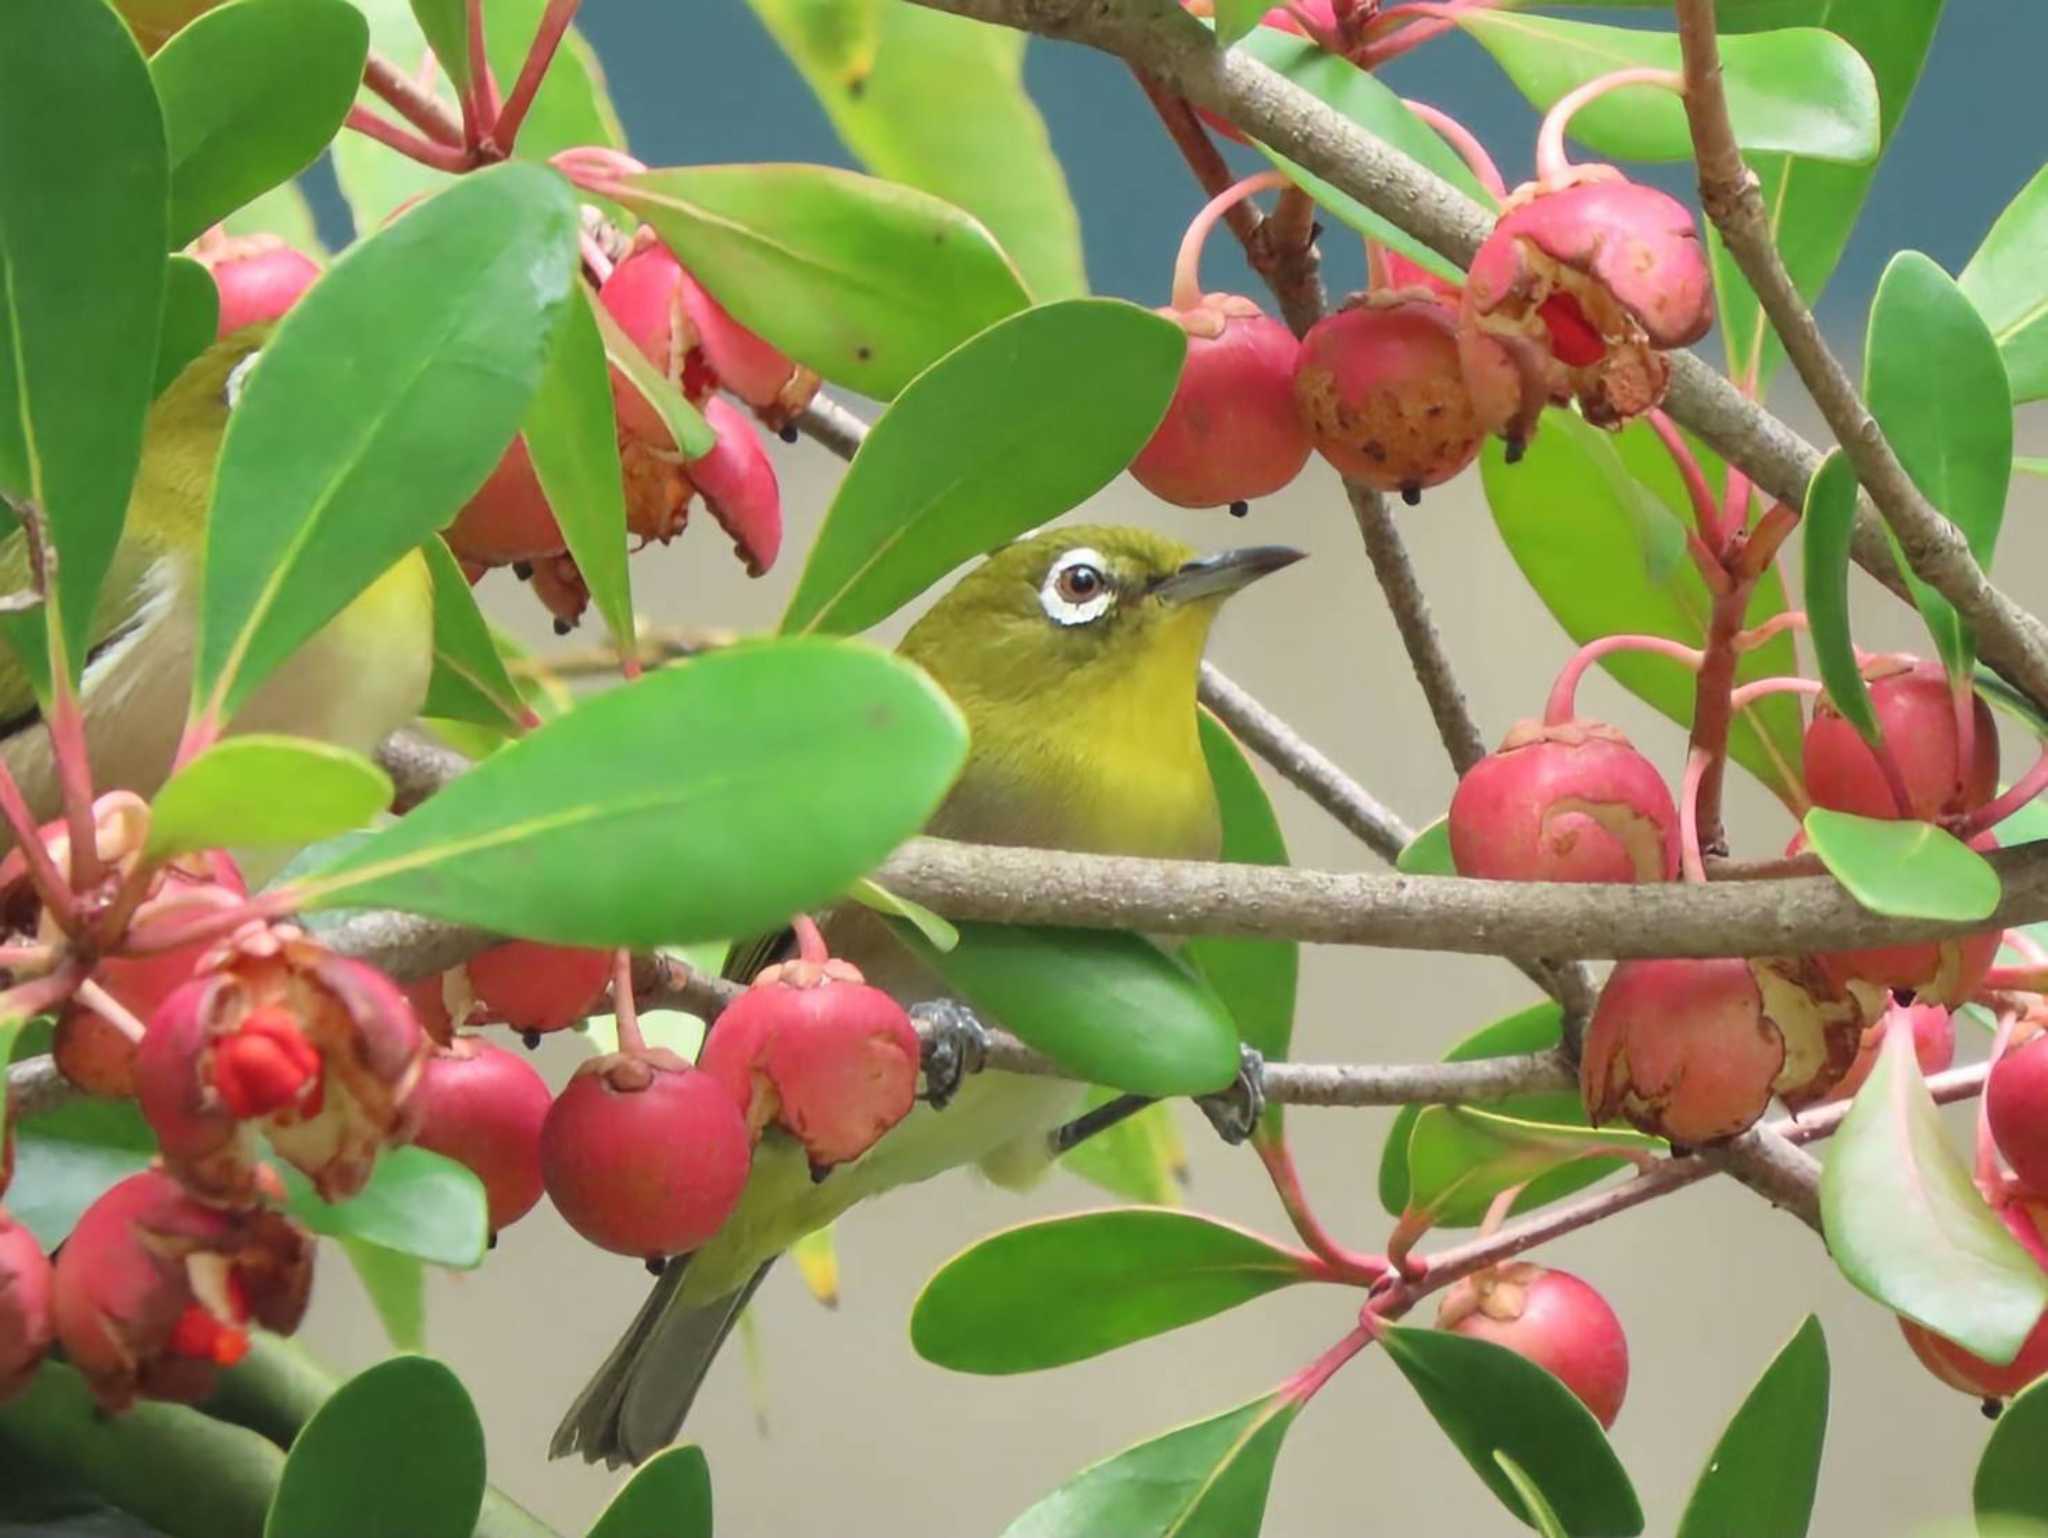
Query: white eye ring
1077, 590
238, 376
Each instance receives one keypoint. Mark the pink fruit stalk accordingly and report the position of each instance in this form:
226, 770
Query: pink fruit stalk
1917, 714
27, 1323
1970, 1373
483, 1107
534, 987
740, 488
258, 277
643, 1155
1553, 1319
2016, 1105
1230, 432
1566, 802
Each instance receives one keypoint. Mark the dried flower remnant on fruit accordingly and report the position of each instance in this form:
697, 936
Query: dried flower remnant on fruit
1572, 801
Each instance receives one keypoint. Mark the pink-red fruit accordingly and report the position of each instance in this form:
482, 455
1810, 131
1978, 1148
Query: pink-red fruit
1231, 432
258, 277
1553, 1319
1570, 802
1916, 710
643, 1155
534, 987
483, 1107
27, 1323
740, 488
1945, 972
1970, 1373
1934, 1046
2016, 1101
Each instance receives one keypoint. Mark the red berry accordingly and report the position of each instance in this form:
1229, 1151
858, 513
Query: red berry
483, 1107
509, 518
258, 277
1571, 802
1917, 710
26, 1320
1964, 1370
533, 987
644, 1155
1553, 1319
2016, 1101
1231, 432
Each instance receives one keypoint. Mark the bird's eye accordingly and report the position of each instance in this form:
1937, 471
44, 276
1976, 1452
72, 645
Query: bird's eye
1078, 584
1077, 589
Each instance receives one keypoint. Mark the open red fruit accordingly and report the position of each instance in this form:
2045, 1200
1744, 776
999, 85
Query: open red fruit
483, 1107
2016, 1102
1570, 802
1553, 1319
1917, 710
739, 486
1964, 1370
27, 1323
1231, 432
643, 1155
534, 987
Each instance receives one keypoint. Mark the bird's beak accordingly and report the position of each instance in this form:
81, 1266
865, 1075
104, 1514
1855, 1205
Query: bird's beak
1221, 574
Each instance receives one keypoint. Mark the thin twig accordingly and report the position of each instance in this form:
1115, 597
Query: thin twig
417, 105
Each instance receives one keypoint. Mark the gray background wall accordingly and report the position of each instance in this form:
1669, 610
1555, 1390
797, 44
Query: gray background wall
854, 1435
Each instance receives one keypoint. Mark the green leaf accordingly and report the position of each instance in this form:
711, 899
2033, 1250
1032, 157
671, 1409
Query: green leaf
690, 805
1063, 1289
1235, 18
252, 92
10, 1028
938, 103
1536, 1029
65, 1158
1799, 90
2005, 282
1904, 869
1488, 1399
1108, 1007
1829, 521
1535, 1509
572, 436
1934, 380
938, 933
1429, 852
1593, 520
2012, 1481
1460, 1158
282, 211
669, 1496
417, 1203
1906, 1224
1376, 108
867, 282
1204, 1480
191, 317
469, 681
1760, 1479
1140, 1158
685, 423
326, 478
397, 1288
1020, 424
1256, 979
82, 238
265, 791
444, 24
2030, 466
396, 1449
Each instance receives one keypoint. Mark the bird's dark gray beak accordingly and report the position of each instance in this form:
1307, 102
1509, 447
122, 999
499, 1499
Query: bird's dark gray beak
1221, 574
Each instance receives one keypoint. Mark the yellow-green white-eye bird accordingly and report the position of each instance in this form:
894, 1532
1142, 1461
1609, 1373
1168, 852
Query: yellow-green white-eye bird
358, 678
1074, 654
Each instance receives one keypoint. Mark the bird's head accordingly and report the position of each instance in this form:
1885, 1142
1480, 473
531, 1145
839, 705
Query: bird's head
182, 439
1085, 616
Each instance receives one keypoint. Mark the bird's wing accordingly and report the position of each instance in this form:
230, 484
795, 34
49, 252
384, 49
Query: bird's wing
120, 602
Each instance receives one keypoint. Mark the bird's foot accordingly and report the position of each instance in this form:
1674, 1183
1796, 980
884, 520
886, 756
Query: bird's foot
955, 1045
1235, 1111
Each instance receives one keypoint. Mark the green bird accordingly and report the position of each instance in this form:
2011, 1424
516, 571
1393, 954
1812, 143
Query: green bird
359, 677
1074, 654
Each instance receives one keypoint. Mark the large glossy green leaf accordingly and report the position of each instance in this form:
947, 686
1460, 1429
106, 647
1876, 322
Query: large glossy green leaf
692, 804
938, 102
1024, 422
1377, 109
1460, 1158
1256, 979
2006, 283
1907, 1226
1933, 378
1109, 1007
252, 92
1829, 521
397, 1288
265, 791
326, 478
669, 1496
572, 435
2012, 1477
1905, 869
1063, 1289
417, 1203
1205, 1480
469, 681
866, 281
1141, 1158
1812, 204
1760, 1478
1591, 522
83, 188
396, 1449
1489, 1399
1800, 90
1536, 1507
191, 318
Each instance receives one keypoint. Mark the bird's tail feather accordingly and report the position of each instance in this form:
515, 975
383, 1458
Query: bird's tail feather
636, 1403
